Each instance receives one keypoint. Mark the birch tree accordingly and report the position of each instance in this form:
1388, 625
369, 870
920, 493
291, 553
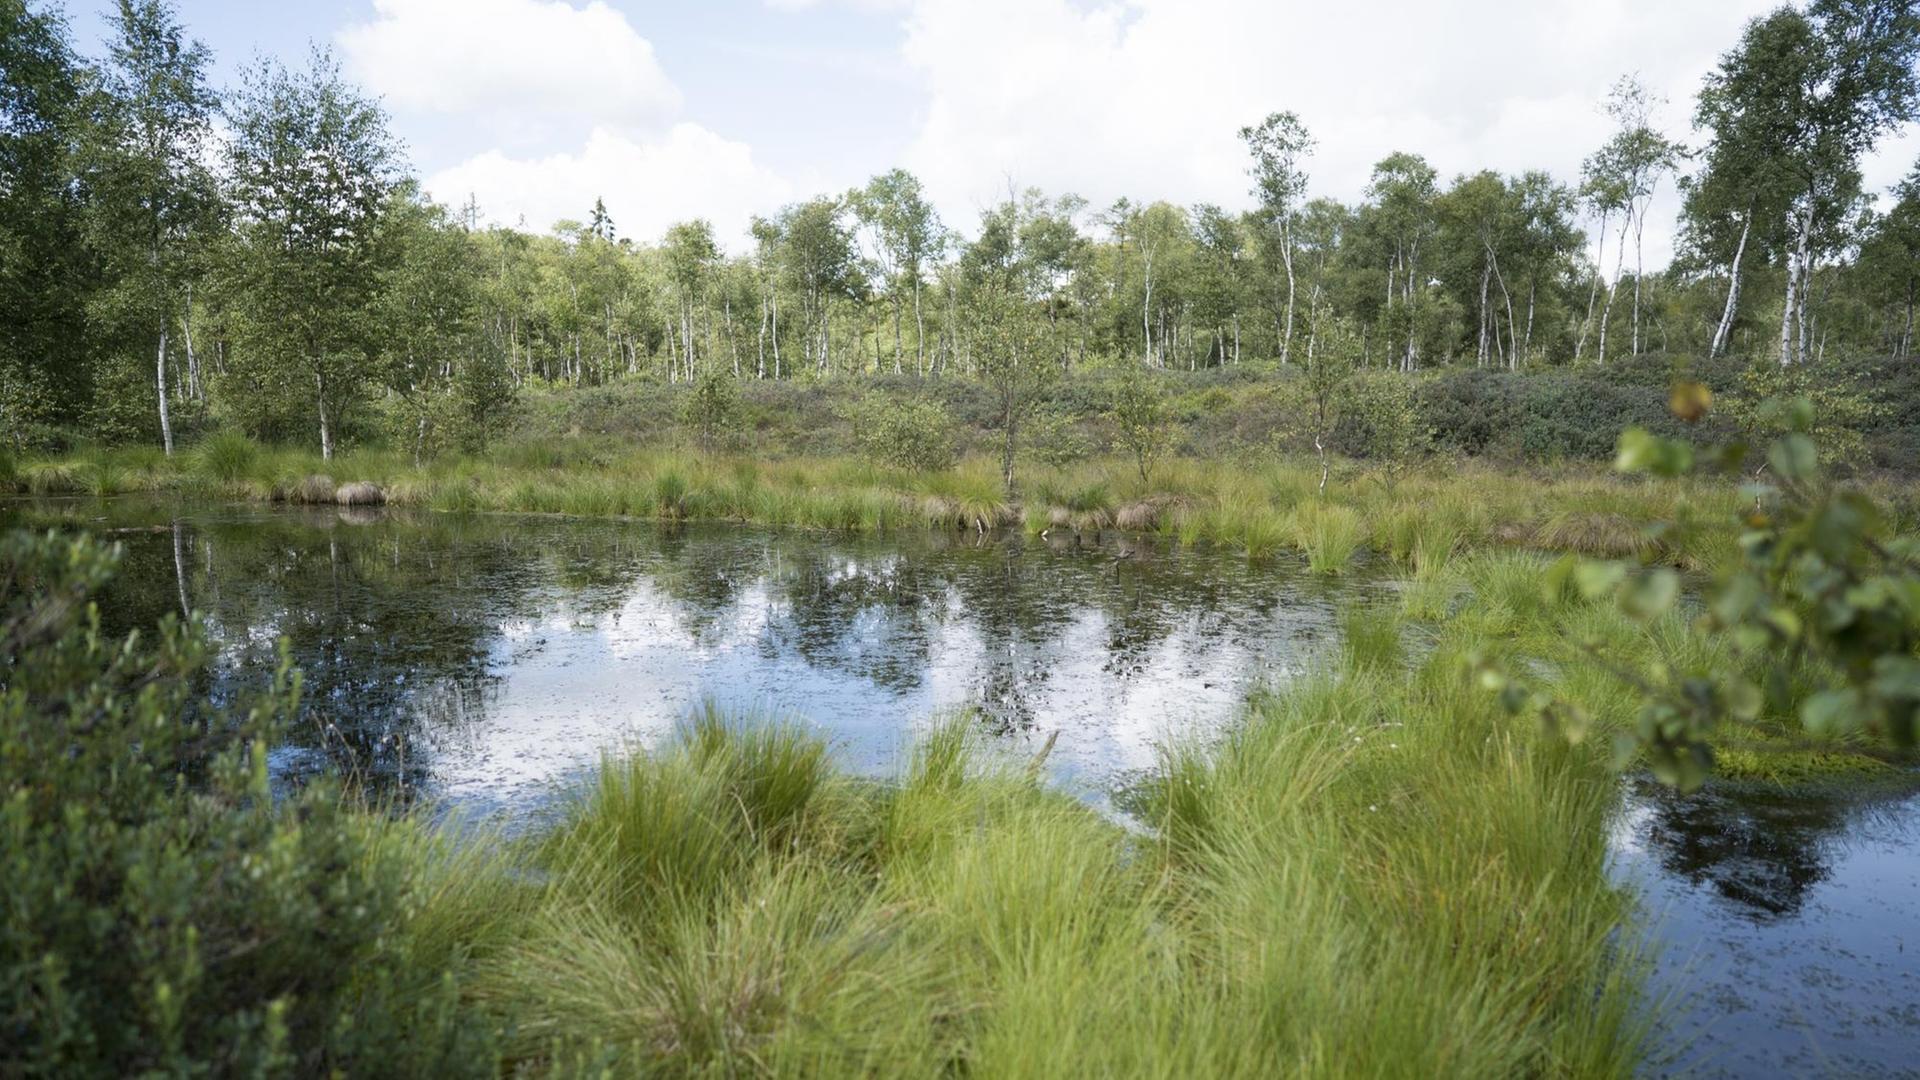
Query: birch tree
691, 255
313, 166
1739, 201
1403, 189
1279, 146
154, 200
1623, 177
905, 235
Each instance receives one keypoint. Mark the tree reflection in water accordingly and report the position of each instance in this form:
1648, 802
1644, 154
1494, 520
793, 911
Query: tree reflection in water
412, 629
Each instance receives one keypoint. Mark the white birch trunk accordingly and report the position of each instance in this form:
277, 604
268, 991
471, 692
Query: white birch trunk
1286, 256
160, 382
326, 428
1733, 292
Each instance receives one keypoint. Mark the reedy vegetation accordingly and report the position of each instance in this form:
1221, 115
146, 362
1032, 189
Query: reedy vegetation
1378, 871
1263, 508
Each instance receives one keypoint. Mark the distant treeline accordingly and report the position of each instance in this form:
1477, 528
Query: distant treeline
283, 275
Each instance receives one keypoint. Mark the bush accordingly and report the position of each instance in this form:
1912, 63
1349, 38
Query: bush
1843, 411
165, 913
1056, 437
1142, 420
911, 434
711, 409
1544, 416
1380, 421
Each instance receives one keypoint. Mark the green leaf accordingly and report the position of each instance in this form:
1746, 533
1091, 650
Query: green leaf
1595, 578
1735, 598
1648, 596
1692, 766
1743, 701
1641, 450
1897, 677
1793, 457
1666, 768
1625, 747
1831, 712
1554, 581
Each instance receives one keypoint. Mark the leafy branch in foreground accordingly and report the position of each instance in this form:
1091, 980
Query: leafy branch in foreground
169, 912
1823, 591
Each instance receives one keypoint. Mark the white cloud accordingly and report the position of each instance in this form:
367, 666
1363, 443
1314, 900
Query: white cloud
648, 185
857, 5
1143, 98
574, 104
526, 66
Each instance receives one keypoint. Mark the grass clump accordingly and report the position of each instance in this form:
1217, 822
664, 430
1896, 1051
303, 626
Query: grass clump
1328, 533
227, 457
101, 475
1600, 534
1349, 884
50, 478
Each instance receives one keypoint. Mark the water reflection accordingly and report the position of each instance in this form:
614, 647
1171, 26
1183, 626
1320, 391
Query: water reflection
1760, 848
1788, 924
483, 657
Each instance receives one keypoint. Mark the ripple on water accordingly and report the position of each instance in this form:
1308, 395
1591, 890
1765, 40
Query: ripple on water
1787, 927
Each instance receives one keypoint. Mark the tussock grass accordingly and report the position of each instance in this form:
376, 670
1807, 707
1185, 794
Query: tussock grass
1421, 524
100, 474
1328, 533
227, 457
1603, 534
312, 488
359, 493
1372, 874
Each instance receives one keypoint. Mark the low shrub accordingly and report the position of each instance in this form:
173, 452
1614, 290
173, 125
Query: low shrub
711, 410
166, 912
910, 434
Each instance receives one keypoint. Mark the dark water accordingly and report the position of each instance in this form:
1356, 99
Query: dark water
488, 661
1788, 926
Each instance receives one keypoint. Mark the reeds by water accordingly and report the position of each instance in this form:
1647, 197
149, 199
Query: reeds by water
1264, 510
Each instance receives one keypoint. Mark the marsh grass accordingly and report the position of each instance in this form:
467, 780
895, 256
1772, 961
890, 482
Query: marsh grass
1419, 525
102, 474
227, 457
1328, 533
1372, 874
1370, 638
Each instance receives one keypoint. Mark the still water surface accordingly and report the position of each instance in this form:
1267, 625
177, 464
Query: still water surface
488, 662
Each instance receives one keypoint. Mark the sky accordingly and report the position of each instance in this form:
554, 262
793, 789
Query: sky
727, 108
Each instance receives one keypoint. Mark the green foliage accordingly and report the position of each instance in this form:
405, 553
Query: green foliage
1823, 592
914, 434
1142, 419
311, 260
1056, 437
1379, 421
1842, 411
167, 910
711, 408
1016, 362
226, 456
485, 400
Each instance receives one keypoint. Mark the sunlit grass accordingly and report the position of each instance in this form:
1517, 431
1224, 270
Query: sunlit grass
1371, 875
1263, 508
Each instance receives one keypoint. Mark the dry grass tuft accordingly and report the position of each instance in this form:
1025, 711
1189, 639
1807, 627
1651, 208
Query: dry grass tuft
360, 493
